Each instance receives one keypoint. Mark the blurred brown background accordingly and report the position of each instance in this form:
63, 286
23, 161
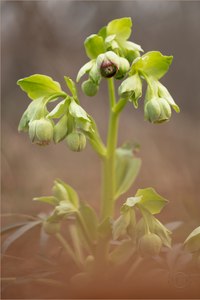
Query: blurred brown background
47, 37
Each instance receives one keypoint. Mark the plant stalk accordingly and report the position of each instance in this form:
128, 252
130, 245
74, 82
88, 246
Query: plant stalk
108, 174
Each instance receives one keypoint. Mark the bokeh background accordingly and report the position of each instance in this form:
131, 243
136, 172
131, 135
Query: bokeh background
47, 37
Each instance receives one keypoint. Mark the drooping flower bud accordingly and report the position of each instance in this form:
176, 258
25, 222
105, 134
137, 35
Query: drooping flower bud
150, 244
89, 88
108, 64
157, 110
51, 227
41, 131
124, 67
76, 141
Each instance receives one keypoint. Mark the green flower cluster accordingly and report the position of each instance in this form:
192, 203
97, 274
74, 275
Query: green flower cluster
67, 120
148, 234
112, 55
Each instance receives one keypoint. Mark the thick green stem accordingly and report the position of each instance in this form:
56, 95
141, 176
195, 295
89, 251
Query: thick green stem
107, 204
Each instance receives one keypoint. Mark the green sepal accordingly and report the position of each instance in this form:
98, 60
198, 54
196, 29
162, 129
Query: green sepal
130, 46
85, 69
131, 88
127, 169
152, 64
164, 93
77, 111
94, 45
155, 226
38, 85
60, 109
120, 27
192, 243
151, 200
47, 199
60, 129
35, 110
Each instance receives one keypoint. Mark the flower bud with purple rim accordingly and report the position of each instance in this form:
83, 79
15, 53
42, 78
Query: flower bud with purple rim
108, 64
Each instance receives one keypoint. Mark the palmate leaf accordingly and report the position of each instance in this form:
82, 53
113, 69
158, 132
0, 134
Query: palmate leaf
19, 233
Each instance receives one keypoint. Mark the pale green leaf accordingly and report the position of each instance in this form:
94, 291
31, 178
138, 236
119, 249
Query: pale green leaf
94, 45
192, 243
60, 129
152, 64
151, 200
85, 69
6, 229
38, 85
122, 253
47, 199
127, 168
18, 233
120, 27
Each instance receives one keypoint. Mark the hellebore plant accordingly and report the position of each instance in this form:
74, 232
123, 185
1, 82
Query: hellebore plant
101, 242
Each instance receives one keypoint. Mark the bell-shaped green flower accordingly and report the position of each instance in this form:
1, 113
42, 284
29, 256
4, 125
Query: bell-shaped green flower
131, 88
150, 244
157, 110
108, 64
41, 131
76, 141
